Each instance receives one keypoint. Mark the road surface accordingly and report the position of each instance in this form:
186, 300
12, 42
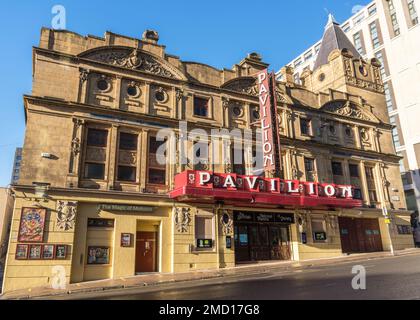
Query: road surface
386, 278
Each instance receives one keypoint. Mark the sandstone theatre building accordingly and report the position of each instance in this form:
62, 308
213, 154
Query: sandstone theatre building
93, 200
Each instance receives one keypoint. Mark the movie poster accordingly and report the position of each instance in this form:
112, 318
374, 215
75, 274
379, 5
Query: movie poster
32, 223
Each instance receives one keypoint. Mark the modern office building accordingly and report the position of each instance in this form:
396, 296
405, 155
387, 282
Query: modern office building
389, 31
94, 199
16, 166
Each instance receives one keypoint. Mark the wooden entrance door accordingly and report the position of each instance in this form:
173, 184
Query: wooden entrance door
360, 235
146, 252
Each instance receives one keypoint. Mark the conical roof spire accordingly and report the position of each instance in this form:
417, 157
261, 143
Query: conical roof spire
331, 21
334, 38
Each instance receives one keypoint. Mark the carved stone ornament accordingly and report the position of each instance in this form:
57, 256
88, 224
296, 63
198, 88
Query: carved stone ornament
347, 109
66, 215
75, 146
134, 59
84, 74
179, 94
302, 222
247, 85
226, 223
182, 219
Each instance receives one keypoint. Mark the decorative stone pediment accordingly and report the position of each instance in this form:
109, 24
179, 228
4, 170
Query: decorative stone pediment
249, 85
246, 85
349, 109
134, 59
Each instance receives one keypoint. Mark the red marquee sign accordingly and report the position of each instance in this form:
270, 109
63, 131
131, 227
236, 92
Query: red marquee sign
232, 188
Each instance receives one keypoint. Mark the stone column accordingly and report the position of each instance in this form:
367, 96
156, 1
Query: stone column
112, 154
76, 149
364, 184
117, 96
144, 156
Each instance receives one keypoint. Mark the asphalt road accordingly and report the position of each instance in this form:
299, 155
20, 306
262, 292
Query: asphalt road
387, 278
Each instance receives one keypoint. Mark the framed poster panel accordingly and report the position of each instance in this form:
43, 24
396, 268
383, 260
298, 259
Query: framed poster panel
60, 252
32, 224
22, 251
98, 255
126, 240
48, 252
35, 252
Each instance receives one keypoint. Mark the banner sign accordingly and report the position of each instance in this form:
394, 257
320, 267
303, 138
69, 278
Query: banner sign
269, 122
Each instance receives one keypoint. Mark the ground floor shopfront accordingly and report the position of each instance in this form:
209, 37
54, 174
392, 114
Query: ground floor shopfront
75, 236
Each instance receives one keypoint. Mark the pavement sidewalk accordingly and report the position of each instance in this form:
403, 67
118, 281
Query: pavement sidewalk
162, 278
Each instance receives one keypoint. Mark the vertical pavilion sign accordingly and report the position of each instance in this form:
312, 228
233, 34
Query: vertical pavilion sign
269, 122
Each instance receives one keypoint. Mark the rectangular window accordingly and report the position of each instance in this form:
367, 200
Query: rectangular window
358, 20
128, 141
337, 168
374, 35
354, 170
389, 96
372, 10
127, 157
201, 107
317, 48
201, 156
412, 12
310, 169
238, 161
297, 62
358, 42
393, 16
126, 173
94, 171
204, 231
346, 27
305, 127
370, 177
97, 138
381, 58
369, 173
308, 55
95, 158
395, 134
156, 173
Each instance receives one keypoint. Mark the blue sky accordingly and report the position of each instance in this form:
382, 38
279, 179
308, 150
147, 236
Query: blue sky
218, 33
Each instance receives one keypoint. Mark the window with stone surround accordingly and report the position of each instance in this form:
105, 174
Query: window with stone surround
358, 42
127, 157
410, 13
238, 160
393, 18
156, 173
370, 178
374, 34
201, 107
310, 169
95, 157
